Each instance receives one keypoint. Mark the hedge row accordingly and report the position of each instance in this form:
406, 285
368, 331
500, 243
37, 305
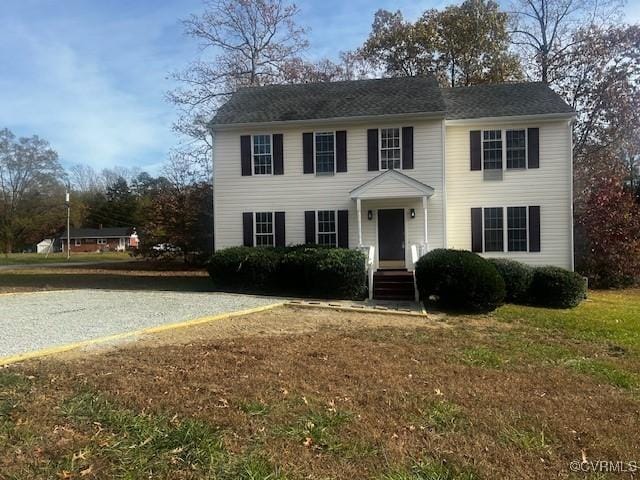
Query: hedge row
304, 270
463, 280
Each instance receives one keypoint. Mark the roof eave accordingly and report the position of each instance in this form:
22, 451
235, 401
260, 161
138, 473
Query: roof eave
540, 117
437, 115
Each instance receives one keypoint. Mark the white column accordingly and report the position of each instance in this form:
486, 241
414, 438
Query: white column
359, 207
424, 207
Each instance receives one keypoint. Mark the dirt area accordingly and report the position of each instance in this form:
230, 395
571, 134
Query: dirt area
318, 394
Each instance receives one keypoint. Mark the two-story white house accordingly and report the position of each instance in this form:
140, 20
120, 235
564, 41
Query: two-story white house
398, 167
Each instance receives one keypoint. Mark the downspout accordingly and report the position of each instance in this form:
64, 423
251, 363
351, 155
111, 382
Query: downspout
213, 196
444, 183
571, 222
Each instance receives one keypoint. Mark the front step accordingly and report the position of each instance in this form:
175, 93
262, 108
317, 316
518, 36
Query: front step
393, 285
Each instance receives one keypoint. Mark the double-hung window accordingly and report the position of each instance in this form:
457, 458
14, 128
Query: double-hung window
265, 236
262, 155
390, 151
492, 149
325, 153
517, 229
493, 230
78, 242
102, 241
516, 148
327, 228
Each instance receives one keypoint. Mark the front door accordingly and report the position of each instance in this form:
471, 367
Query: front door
391, 238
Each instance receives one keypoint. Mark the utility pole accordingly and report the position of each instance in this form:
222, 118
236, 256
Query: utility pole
68, 225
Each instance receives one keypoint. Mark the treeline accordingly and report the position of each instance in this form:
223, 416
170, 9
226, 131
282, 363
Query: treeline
174, 207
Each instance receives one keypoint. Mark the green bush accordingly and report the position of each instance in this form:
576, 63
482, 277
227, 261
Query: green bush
459, 279
556, 287
517, 279
245, 268
305, 270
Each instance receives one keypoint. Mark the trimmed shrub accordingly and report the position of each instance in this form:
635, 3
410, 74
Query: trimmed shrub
556, 287
323, 272
245, 268
460, 279
305, 270
517, 279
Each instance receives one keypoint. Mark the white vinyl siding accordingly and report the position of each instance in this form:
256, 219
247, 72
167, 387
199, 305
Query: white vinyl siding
295, 193
547, 187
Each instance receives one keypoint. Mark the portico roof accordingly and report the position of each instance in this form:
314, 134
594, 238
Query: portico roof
391, 184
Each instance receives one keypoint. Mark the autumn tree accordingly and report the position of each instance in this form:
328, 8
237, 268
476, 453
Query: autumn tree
242, 43
464, 44
31, 190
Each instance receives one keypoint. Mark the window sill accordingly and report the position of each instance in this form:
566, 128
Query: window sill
325, 174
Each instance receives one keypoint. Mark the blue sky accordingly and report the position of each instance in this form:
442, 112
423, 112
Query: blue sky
90, 75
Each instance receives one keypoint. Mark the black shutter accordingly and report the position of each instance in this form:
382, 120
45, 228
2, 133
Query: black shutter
307, 152
372, 149
279, 229
476, 230
245, 155
533, 147
278, 154
476, 150
407, 148
343, 228
247, 228
341, 151
534, 229
310, 226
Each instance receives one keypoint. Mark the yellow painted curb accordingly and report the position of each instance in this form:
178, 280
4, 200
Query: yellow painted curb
145, 331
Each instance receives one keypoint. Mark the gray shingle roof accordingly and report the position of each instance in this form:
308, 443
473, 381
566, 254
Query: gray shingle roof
313, 101
507, 99
387, 96
109, 232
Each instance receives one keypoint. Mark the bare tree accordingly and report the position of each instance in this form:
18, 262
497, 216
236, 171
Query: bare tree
242, 43
544, 30
84, 178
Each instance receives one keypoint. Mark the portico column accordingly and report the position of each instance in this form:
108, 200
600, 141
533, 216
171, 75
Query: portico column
359, 207
424, 207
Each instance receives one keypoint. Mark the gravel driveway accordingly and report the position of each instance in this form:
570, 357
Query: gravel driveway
47, 319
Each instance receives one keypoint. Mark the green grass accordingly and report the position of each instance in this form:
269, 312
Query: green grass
37, 258
442, 416
430, 470
481, 357
527, 439
607, 315
318, 429
606, 371
255, 408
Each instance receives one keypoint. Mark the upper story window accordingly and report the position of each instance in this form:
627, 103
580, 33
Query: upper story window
517, 229
516, 148
262, 157
265, 236
492, 149
325, 152
327, 231
493, 230
390, 151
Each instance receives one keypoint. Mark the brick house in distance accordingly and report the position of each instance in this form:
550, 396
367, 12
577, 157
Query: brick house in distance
114, 239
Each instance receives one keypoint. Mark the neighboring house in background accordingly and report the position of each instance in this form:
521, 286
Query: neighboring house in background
45, 246
100, 239
397, 167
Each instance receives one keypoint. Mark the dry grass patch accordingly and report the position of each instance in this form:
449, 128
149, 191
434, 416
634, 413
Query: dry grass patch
317, 394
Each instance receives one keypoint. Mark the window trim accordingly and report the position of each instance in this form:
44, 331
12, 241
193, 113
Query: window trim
253, 164
503, 136
273, 229
335, 216
380, 148
102, 241
505, 230
315, 158
77, 242
526, 224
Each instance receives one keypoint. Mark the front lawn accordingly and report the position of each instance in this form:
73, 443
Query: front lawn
320, 394
38, 258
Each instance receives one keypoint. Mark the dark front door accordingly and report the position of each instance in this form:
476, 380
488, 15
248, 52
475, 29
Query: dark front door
391, 235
